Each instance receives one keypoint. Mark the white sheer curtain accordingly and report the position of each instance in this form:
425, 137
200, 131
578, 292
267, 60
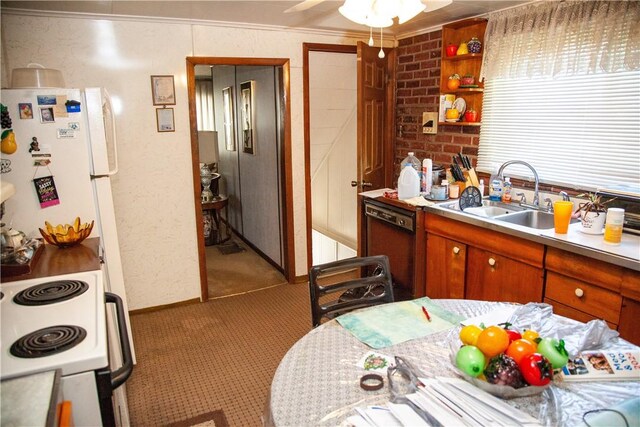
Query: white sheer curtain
565, 38
204, 105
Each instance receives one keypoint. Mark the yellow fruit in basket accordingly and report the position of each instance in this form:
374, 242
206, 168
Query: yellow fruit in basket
469, 334
76, 224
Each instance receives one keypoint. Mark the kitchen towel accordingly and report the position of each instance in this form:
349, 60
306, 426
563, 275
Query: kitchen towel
388, 324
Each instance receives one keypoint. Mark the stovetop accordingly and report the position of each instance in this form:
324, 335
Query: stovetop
60, 319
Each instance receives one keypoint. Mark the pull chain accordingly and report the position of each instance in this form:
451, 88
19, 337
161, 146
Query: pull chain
371, 36
381, 53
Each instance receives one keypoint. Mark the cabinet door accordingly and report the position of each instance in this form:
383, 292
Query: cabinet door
629, 316
445, 267
493, 277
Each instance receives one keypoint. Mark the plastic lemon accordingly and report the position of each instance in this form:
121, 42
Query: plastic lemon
462, 49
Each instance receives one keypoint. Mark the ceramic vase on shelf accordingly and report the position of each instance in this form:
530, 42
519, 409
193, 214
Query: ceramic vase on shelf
592, 222
474, 45
205, 179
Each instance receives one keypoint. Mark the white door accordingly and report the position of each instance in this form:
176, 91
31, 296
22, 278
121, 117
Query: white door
333, 155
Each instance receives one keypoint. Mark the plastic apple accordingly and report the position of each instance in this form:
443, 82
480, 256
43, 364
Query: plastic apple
452, 49
470, 360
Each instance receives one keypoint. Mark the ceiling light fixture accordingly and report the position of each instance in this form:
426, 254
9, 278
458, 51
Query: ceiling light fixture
380, 13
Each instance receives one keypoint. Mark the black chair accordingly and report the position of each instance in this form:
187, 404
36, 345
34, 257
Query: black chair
331, 297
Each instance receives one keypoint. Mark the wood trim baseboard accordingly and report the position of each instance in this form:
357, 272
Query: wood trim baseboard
164, 306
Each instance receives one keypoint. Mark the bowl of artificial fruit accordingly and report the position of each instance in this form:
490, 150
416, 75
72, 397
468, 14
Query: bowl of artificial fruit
504, 362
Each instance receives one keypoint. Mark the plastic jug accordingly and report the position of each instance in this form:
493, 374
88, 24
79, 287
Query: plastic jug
408, 183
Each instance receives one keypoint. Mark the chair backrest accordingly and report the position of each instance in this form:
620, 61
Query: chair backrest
332, 296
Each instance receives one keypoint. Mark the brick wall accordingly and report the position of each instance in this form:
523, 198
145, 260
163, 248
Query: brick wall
418, 91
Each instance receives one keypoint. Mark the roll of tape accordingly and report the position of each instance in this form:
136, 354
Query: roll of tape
371, 382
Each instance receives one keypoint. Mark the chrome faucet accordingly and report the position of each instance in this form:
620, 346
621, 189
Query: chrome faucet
536, 196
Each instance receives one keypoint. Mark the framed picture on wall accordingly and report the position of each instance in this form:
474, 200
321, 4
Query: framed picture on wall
228, 123
430, 123
163, 90
247, 90
164, 120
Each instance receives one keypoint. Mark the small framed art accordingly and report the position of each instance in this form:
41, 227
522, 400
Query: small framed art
163, 90
164, 120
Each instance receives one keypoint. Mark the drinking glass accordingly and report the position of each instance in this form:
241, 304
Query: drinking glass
562, 211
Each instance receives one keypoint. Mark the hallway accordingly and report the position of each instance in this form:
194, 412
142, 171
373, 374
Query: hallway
238, 272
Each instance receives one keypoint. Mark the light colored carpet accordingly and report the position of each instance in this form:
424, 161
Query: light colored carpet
221, 354
239, 272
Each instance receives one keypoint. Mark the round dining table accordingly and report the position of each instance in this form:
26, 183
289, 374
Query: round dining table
317, 383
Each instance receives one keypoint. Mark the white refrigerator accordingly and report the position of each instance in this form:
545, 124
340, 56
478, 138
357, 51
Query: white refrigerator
69, 135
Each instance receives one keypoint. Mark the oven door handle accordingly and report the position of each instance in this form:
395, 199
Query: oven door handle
119, 376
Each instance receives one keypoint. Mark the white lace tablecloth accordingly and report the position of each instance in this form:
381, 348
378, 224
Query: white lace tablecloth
317, 381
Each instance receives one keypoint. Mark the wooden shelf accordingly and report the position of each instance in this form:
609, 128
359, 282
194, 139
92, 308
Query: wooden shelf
465, 90
462, 57
459, 124
470, 63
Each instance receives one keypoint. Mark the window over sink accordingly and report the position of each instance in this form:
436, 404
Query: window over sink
562, 92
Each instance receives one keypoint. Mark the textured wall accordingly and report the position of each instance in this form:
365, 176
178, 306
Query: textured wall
153, 193
418, 91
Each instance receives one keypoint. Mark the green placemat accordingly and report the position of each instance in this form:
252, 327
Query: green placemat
389, 324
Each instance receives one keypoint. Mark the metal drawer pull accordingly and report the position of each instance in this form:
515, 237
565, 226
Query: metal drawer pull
456, 250
579, 292
492, 262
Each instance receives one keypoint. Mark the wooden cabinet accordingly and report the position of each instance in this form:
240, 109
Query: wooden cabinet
584, 289
468, 64
488, 265
446, 264
495, 277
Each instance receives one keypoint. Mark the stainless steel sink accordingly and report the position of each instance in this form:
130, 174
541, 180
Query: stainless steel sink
489, 208
530, 218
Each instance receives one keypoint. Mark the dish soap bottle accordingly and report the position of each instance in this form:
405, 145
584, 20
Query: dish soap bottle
506, 190
495, 188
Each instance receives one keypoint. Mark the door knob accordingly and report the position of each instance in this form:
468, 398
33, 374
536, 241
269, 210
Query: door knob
492, 262
579, 292
363, 184
456, 250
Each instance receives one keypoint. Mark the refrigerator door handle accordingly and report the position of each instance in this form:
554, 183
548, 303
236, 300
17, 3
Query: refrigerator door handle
119, 376
108, 105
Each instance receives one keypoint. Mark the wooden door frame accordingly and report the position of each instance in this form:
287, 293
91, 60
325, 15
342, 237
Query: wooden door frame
306, 49
286, 166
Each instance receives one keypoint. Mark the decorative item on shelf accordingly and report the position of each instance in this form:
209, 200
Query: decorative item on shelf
205, 179
452, 115
64, 236
467, 80
592, 213
454, 82
474, 45
462, 49
451, 49
8, 145
471, 116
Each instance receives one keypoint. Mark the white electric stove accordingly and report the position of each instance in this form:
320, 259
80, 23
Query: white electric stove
60, 322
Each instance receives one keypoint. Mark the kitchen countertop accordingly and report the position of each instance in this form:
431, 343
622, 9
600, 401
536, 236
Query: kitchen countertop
55, 261
627, 254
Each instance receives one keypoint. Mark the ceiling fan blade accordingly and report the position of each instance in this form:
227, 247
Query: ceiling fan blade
306, 4
436, 4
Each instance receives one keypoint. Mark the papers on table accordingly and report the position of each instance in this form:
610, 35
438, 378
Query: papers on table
495, 317
389, 324
445, 402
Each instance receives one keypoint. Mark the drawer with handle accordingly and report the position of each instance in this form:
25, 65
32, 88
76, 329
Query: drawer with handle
593, 300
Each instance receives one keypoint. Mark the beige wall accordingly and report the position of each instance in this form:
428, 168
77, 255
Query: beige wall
153, 193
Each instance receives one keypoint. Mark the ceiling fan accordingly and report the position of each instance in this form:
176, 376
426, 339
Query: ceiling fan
431, 5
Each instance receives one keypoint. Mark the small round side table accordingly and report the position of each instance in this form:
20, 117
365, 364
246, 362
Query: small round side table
211, 211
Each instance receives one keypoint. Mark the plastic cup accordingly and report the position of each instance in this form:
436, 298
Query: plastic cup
562, 211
